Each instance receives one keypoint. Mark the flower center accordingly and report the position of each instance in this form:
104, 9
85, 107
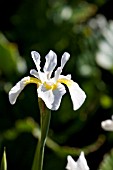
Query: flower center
49, 85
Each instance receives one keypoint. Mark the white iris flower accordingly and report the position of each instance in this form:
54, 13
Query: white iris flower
80, 164
50, 90
107, 124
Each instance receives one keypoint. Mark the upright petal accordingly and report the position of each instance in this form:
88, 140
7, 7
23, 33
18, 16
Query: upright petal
71, 165
51, 98
36, 58
64, 59
51, 62
34, 73
57, 74
80, 164
39, 75
16, 90
77, 94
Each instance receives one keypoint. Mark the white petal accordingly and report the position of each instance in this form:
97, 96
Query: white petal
40, 75
36, 58
51, 62
34, 73
77, 95
82, 163
58, 93
107, 125
64, 59
51, 98
57, 74
68, 77
16, 90
71, 165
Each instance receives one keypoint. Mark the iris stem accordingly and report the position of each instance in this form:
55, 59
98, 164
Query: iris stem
45, 115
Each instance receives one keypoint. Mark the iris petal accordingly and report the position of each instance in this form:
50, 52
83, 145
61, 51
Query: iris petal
71, 165
51, 98
34, 73
51, 62
57, 74
58, 93
80, 164
107, 125
64, 59
36, 58
16, 90
77, 94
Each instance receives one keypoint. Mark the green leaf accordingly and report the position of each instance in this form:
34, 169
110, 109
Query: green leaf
107, 163
10, 60
4, 161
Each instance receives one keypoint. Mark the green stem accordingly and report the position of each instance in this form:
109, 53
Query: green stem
45, 115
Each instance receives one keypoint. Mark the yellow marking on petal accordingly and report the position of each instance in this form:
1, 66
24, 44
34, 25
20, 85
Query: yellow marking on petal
33, 80
48, 86
65, 81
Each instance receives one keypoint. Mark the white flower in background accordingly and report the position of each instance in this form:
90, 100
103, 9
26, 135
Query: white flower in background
50, 90
80, 164
107, 124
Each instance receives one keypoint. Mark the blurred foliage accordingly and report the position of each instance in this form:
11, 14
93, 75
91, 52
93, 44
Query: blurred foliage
107, 161
72, 26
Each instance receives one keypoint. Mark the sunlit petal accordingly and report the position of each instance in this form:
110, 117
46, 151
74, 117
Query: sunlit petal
36, 58
16, 90
71, 165
107, 125
51, 62
34, 73
64, 59
80, 164
46, 95
68, 77
52, 98
77, 94
57, 74
58, 93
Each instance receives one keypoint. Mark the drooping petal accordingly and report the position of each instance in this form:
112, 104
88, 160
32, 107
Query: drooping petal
107, 125
46, 95
58, 93
77, 94
36, 58
51, 62
80, 164
51, 98
16, 90
64, 59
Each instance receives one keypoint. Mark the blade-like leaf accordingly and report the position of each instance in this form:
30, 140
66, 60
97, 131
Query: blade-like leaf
4, 161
